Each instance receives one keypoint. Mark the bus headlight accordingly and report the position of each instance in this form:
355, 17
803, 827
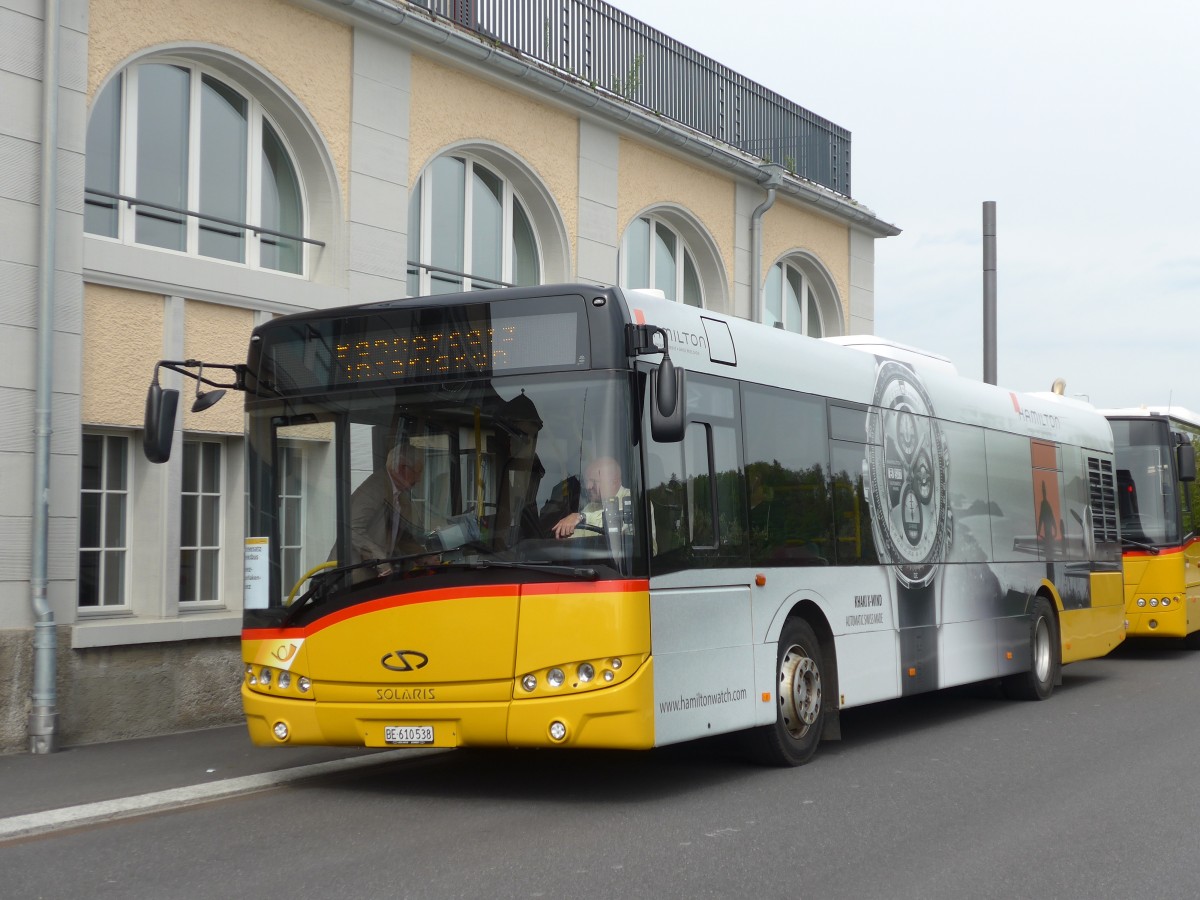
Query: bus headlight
1141, 602
555, 677
285, 680
529, 682
1154, 601
280, 731
586, 672
558, 731
264, 677
304, 684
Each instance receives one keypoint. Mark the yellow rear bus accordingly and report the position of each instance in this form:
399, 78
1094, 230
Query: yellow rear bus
1158, 504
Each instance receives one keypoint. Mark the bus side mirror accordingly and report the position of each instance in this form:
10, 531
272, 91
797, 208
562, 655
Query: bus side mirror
159, 426
668, 406
1185, 459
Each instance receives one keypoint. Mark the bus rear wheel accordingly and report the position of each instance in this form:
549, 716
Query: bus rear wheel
793, 737
1045, 657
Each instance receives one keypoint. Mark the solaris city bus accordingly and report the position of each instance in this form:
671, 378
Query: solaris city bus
1158, 502
801, 526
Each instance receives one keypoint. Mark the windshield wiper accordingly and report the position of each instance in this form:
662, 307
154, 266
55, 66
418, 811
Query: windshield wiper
322, 583
582, 574
1130, 542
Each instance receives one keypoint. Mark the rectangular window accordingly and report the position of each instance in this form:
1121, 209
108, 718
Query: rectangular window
695, 487
200, 528
291, 512
104, 503
162, 154
787, 474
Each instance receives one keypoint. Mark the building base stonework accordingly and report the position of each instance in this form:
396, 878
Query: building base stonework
117, 693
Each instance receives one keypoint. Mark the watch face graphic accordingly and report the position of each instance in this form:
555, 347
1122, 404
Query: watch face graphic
907, 471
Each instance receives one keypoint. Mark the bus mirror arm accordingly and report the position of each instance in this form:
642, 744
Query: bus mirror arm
162, 403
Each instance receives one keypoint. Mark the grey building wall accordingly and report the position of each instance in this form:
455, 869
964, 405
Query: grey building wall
379, 169
598, 240
862, 283
21, 61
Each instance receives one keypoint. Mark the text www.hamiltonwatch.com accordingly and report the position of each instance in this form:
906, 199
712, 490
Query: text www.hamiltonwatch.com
698, 700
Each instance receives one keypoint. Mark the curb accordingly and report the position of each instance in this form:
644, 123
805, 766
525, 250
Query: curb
52, 820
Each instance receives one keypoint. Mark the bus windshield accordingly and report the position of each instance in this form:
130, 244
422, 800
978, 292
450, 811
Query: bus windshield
532, 473
1149, 510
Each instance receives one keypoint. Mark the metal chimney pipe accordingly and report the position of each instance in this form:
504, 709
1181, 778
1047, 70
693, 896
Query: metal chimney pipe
989, 291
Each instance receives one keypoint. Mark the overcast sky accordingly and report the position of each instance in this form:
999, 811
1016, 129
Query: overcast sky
1080, 120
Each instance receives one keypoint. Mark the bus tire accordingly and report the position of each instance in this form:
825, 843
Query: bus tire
1045, 657
791, 740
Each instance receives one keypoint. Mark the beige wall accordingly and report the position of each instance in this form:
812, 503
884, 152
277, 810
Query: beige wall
122, 340
787, 228
215, 334
311, 55
650, 178
450, 106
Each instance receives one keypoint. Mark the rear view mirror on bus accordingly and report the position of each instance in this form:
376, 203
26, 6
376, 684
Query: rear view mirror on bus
1185, 458
159, 426
668, 409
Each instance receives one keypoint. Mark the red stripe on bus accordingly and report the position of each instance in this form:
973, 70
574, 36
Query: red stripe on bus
440, 596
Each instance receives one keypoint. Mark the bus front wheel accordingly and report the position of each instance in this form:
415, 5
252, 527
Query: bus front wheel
800, 718
1045, 657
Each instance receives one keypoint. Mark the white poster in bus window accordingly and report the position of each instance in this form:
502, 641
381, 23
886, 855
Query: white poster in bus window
257, 588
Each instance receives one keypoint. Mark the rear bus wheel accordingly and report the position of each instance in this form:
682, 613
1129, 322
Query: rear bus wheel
800, 675
1045, 657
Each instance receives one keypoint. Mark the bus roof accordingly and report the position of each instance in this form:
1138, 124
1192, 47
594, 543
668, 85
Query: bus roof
845, 369
1179, 413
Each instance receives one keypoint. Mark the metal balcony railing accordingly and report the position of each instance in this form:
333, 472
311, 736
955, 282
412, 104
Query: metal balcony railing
598, 45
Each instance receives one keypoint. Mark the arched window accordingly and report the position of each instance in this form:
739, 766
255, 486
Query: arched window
468, 229
794, 298
655, 255
180, 158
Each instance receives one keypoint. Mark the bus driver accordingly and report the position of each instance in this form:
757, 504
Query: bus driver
601, 483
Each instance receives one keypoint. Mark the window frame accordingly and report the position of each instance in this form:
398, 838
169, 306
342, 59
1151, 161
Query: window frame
101, 608
127, 83
807, 294
420, 267
681, 260
200, 546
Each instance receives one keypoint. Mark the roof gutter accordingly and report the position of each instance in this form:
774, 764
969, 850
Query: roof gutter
419, 23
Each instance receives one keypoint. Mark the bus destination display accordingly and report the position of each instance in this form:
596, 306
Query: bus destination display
448, 351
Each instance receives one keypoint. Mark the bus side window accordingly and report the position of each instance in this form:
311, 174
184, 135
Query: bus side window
787, 474
696, 499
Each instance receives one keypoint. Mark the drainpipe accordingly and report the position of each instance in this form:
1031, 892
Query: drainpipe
772, 178
43, 717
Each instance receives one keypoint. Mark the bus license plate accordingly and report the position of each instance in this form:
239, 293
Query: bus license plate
408, 734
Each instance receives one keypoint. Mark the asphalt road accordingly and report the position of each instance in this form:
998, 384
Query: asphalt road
953, 795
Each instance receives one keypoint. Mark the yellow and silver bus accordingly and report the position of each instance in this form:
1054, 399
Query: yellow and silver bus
1159, 506
796, 526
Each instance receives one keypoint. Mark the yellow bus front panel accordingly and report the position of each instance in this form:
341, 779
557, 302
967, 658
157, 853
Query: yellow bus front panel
510, 665
1158, 602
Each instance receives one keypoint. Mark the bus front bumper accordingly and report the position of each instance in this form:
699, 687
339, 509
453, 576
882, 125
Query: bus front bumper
618, 717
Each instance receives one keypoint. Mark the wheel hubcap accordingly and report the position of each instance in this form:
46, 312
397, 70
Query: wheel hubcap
1041, 650
799, 691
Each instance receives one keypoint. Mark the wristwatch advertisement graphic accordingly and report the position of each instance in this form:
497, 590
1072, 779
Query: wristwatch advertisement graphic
907, 473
